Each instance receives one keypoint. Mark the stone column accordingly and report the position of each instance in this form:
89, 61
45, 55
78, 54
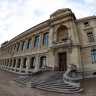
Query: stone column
50, 36
5, 63
16, 64
25, 48
12, 63
40, 41
9, 63
71, 31
28, 63
15, 50
32, 43
21, 64
75, 57
37, 64
20, 47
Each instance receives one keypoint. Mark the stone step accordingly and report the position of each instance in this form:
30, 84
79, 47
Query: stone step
56, 86
48, 81
61, 90
26, 80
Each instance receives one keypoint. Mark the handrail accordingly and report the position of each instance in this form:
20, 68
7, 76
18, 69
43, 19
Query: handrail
71, 81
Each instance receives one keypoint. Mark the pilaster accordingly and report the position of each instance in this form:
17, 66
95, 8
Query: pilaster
28, 63
37, 64
21, 65
51, 36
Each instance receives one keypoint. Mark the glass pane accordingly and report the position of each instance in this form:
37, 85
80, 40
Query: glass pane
93, 58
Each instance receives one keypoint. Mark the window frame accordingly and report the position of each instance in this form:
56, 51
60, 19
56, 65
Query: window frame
23, 44
29, 43
33, 62
18, 47
86, 23
19, 62
93, 55
43, 60
25, 63
46, 38
90, 37
36, 42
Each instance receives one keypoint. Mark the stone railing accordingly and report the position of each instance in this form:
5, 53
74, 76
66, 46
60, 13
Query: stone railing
71, 76
46, 68
61, 43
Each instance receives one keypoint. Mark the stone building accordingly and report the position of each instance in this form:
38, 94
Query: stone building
57, 42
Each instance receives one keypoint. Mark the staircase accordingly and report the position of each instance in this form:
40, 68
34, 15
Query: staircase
51, 81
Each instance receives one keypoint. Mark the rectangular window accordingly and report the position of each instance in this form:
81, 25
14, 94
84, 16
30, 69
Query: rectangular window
90, 37
29, 43
86, 24
19, 61
46, 38
33, 61
36, 43
93, 53
25, 63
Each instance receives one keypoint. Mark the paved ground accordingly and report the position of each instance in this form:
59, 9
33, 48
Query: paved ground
9, 87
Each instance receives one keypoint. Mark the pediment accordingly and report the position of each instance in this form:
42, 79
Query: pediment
59, 11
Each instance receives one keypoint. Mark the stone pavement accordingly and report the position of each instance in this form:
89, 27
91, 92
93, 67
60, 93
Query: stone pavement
8, 87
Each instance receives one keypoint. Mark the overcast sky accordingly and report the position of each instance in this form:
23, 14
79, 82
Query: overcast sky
16, 16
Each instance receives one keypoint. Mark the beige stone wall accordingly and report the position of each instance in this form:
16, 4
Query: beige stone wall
61, 23
82, 30
86, 47
86, 59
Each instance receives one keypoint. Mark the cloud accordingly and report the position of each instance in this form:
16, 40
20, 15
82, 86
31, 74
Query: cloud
16, 16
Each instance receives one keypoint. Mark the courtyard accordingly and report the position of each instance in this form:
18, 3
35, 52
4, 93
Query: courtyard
8, 87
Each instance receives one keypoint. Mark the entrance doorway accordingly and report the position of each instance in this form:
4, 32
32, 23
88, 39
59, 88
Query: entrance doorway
62, 61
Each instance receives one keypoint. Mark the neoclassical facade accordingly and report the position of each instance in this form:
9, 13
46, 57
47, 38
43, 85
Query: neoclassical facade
57, 42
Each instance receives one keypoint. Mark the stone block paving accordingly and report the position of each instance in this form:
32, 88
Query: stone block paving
8, 87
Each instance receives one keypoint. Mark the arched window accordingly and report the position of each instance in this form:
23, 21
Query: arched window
18, 47
93, 53
43, 61
62, 34
36, 43
29, 43
46, 38
33, 61
23, 45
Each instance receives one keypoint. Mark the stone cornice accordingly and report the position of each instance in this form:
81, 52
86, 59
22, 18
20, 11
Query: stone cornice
85, 19
87, 46
35, 28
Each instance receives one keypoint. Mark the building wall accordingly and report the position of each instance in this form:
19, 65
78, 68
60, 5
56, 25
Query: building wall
61, 25
88, 66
